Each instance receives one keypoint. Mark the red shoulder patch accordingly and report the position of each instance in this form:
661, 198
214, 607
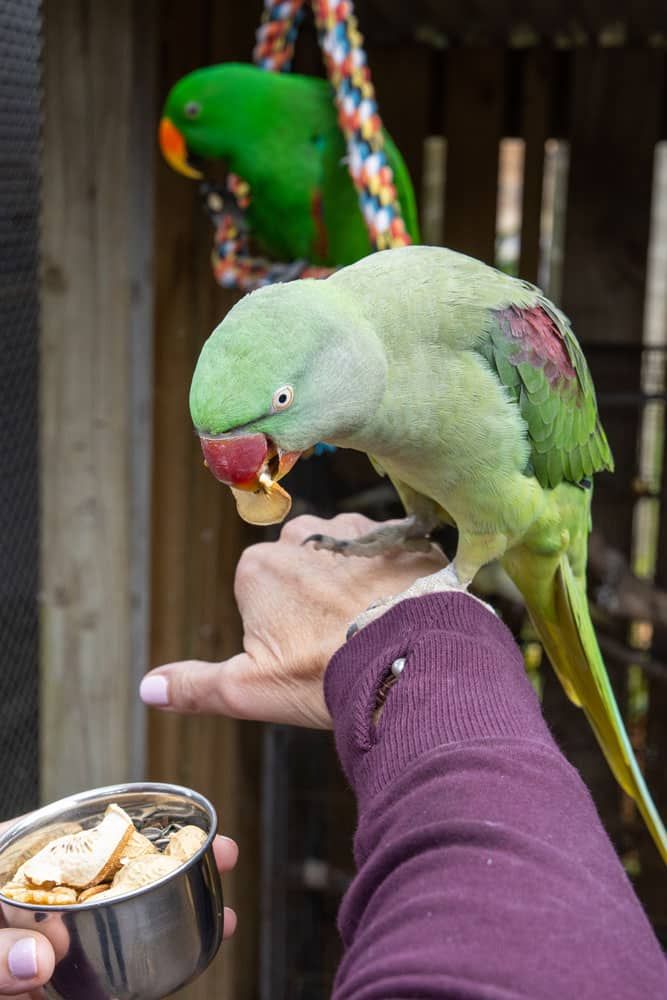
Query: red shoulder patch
538, 341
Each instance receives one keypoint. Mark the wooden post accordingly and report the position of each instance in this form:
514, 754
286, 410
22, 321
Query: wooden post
197, 536
95, 386
474, 110
402, 78
537, 81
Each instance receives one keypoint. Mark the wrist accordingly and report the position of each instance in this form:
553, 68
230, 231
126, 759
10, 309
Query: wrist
463, 679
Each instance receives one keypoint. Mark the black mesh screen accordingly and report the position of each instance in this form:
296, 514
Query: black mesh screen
19, 527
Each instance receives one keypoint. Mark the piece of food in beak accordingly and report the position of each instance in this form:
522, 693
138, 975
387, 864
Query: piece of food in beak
252, 465
270, 504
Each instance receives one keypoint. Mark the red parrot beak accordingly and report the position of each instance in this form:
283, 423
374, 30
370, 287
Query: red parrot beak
247, 461
174, 149
251, 465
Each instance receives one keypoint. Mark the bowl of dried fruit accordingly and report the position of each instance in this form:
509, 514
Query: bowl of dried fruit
123, 882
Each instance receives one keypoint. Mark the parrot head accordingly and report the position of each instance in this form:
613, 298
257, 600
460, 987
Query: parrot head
210, 112
288, 367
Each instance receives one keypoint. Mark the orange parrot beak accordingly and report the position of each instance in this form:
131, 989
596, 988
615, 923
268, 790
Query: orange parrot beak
174, 149
251, 464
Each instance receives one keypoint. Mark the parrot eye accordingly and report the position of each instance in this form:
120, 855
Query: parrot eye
282, 398
192, 109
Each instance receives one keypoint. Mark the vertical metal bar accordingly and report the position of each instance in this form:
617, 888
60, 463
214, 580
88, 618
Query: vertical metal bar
19, 362
140, 251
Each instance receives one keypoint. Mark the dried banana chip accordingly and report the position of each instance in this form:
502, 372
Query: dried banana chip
185, 843
269, 505
94, 890
82, 859
142, 871
59, 895
28, 846
136, 847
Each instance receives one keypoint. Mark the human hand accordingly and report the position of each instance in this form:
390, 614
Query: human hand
296, 604
27, 958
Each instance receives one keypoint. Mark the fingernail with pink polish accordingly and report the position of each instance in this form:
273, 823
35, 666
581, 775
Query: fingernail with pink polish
154, 690
22, 959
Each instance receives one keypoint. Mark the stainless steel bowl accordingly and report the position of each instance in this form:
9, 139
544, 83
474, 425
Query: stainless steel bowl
142, 946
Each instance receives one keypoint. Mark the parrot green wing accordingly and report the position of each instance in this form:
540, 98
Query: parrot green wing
537, 357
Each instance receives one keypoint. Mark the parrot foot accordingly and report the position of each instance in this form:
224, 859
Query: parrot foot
412, 533
444, 581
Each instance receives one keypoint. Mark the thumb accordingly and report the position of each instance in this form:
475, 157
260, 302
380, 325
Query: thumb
198, 687
26, 961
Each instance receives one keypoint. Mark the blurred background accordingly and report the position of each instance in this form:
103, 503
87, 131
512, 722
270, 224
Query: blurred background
535, 133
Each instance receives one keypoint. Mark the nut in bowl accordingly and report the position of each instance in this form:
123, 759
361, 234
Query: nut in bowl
123, 882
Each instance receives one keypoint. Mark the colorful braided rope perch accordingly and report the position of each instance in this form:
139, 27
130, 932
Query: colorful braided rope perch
359, 120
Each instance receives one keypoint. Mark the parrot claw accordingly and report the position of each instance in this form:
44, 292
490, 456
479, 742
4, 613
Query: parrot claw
411, 533
329, 544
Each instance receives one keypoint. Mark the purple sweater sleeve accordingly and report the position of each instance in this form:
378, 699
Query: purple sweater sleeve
483, 869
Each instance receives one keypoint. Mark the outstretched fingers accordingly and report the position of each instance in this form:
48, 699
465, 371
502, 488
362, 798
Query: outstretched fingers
237, 688
198, 687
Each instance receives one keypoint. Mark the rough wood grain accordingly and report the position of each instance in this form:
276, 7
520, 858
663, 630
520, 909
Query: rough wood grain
537, 82
196, 533
607, 233
405, 109
95, 332
497, 21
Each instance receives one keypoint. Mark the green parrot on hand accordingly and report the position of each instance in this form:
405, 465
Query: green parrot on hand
468, 389
279, 132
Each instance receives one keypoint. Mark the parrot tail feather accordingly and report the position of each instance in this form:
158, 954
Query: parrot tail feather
572, 647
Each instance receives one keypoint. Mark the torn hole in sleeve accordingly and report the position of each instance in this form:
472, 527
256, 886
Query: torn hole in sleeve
387, 681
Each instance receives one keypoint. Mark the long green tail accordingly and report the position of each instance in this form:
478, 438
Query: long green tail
569, 640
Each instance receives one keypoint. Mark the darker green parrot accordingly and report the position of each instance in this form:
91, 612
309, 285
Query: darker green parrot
279, 132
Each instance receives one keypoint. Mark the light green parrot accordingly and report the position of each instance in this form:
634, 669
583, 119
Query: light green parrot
469, 390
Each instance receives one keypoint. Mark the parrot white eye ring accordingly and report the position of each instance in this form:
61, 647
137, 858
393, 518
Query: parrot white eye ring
192, 109
282, 398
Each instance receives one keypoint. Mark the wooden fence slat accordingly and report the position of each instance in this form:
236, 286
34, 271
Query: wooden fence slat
402, 78
492, 21
616, 124
94, 383
197, 536
536, 95
474, 107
